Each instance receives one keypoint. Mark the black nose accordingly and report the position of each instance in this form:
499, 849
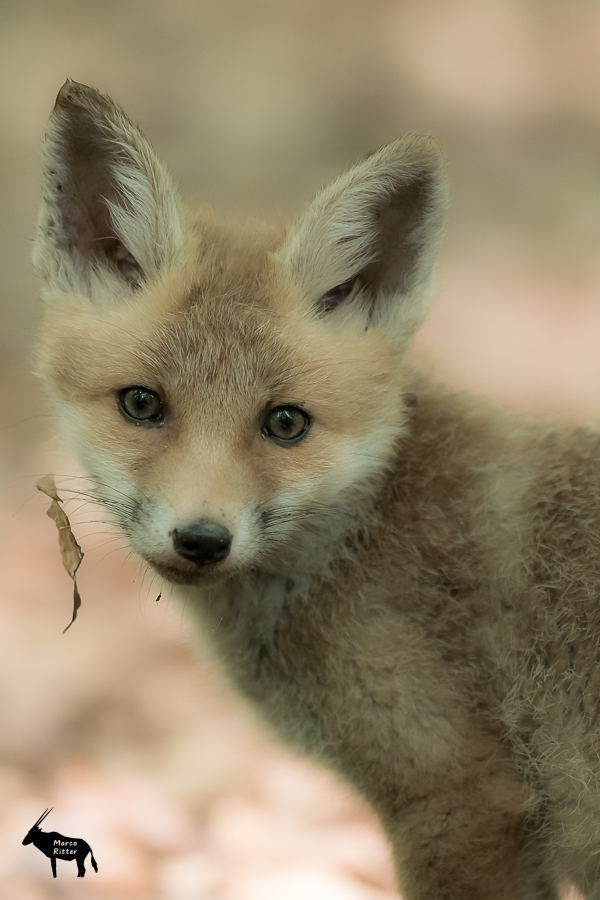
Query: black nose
203, 542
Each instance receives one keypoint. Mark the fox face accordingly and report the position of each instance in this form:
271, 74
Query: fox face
233, 390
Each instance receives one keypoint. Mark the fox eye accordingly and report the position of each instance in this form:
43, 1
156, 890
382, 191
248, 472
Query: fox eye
286, 423
141, 404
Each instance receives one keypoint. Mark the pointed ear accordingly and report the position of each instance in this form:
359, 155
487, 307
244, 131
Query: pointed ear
367, 243
110, 216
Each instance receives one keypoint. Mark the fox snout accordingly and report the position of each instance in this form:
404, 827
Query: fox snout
202, 542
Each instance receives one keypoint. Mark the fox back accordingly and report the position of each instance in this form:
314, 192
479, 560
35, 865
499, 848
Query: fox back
403, 580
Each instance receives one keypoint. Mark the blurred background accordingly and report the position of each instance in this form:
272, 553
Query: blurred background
122, 724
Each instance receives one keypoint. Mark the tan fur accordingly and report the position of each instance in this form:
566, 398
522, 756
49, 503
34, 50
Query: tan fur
412, 593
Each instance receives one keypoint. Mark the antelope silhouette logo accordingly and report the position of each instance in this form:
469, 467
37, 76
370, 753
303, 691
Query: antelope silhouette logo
57, 846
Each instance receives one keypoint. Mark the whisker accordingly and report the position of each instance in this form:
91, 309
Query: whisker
24, 503
114, 550
111, 540
95, 480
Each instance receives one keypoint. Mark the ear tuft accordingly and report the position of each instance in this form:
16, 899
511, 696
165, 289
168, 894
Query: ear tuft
110, 212
372, 236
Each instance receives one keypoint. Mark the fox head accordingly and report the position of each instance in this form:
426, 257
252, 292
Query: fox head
233, 390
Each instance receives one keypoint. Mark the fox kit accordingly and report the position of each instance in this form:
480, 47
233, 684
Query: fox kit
405, 582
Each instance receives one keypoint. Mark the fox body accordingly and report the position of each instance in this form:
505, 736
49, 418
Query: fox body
403, 580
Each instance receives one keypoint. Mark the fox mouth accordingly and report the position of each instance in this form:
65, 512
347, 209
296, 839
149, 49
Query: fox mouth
188, 575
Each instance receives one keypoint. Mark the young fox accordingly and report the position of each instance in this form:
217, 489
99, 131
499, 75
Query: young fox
405, 582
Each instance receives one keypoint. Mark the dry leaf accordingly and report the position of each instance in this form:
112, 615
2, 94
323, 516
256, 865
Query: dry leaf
70, 551
47, 485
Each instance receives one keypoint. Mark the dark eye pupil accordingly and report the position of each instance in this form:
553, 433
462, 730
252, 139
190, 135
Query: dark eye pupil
286, 423
140, 403
286, 420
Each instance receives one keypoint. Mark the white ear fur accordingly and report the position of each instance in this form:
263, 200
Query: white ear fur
372, 236
110, 216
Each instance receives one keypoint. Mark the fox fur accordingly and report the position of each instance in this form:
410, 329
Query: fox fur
412, 590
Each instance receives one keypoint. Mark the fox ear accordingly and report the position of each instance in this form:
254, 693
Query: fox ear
368, 241
110, 215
